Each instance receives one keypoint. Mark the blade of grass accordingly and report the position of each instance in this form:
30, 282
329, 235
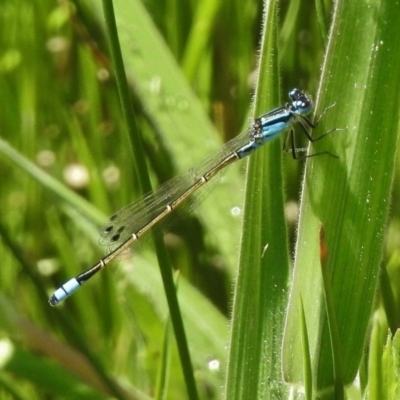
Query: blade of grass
139, 161
307, 360
254, 370
349, 196
331, 320
207, 11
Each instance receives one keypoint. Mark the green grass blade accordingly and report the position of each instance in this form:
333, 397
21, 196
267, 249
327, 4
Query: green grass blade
348, 197
144, 180
306, 360
254, 370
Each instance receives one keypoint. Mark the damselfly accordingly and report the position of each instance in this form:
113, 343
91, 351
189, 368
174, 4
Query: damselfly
135, 220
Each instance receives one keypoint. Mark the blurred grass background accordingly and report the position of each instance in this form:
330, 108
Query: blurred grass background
59, 110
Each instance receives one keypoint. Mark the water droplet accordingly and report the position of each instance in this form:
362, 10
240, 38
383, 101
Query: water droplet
76, 176
214, 365
236, 211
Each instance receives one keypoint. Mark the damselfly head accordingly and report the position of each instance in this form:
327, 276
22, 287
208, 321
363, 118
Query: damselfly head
301, 103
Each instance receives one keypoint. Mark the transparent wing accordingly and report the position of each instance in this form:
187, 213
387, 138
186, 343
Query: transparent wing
131, 218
